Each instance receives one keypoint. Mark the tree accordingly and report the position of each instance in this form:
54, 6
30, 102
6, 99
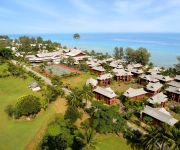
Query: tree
55, 80
76, 36
157, 138
6, 53
116, 53
177, 66
87, 93
142, 56
121, 53
72, 114
28, 105
75, 98
70, 61
130, 55
87, 139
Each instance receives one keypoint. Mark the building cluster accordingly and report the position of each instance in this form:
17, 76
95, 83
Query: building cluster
158, 89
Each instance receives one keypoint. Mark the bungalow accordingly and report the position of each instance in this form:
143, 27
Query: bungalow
137, 72
137, 66
106, 94
176, 82
158, 115
99, 70
75, 53
92, 82
155, 70
153, 88
159, 98
143, 79
163, 79
116, 64
121, 74
173, 93
104, 79
34, 87
135, 93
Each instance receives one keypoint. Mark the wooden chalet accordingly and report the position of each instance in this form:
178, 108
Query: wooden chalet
153, 88
104, 79
106, 94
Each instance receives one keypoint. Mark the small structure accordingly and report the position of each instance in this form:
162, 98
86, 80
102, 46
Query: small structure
75, 53
176, 82
92, 82
154, 70
34, 86
159, 98
147, 78
106, 94
137, 72
135, 93
173, 93
137, 66
116, 64
99, 70
158, 115
163, 79
153, 88
121, 74
104, 79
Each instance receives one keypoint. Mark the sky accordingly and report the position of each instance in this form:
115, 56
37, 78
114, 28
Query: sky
84, 16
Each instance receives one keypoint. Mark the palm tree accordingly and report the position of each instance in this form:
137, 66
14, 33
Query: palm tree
175, 144
87, 139
158, 138
87, 93
74, 99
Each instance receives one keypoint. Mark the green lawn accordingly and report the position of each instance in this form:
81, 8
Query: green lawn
121, 86
16, 134
78, 80
111, 142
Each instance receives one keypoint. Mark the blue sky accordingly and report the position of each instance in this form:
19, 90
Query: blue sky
67, 16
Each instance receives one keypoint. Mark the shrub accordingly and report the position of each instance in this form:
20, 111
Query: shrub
10, 110
176, 109
147, 119
28, 105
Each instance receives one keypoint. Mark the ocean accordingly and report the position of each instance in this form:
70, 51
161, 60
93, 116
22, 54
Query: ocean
164, 47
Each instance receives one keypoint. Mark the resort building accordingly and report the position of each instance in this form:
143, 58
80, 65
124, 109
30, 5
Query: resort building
173, 93
137, 72
163, 79
106, 94
75, 53
144, 79
153, 88
92, 82
122, 75
137, 66
159, 98
116, 64
99, 70
135, 93
104, 79
155, 70
175, 82
159, 115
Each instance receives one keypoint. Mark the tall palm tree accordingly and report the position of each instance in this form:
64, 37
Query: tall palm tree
87, 139
87, 93
158, 138
175, 144
74, 99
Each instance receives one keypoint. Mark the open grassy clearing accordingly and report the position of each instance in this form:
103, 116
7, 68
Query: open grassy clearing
22, 134
111, 142
121, 86
78, 80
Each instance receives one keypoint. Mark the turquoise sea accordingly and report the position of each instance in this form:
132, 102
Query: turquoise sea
164, 47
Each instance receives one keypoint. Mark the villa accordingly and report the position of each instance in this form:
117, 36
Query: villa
159, 115
104, 79
137, 72
173, 93
116, 64
99, 70
135, 93
143, 79
106, 94
153, 88
159, 98
175, 82
121, 74
75, 53
163, 79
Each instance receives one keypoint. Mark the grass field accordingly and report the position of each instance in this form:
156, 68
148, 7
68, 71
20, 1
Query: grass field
121, 86
16, 134
77, 81
111, 142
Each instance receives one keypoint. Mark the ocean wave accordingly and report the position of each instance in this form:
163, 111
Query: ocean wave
146, 42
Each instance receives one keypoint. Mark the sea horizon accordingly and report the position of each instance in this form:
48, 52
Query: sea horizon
164, 47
